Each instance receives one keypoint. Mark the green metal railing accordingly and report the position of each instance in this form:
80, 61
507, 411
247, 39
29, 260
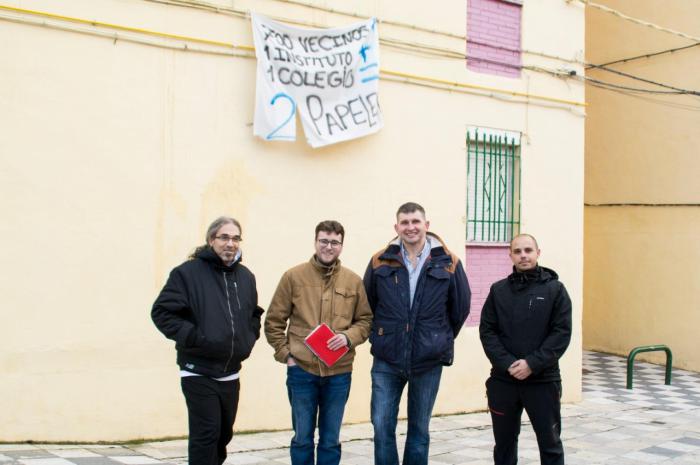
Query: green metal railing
654, 348
493, 188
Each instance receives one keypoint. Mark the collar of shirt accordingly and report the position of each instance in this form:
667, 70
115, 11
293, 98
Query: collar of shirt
414, 271
235, 259
422, 255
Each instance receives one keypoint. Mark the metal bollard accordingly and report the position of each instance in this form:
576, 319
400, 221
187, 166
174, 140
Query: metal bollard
652, 348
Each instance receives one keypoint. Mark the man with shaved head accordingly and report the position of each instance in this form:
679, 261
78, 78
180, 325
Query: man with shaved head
525, 328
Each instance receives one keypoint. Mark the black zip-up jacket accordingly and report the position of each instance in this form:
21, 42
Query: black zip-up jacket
415, 338
211, 312
527, 316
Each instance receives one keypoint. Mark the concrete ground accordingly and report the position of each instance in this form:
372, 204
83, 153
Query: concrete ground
652, 423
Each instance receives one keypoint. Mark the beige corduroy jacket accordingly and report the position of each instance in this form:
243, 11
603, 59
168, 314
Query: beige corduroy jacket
306, 298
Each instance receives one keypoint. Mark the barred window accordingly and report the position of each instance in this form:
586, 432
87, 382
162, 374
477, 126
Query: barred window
493, 185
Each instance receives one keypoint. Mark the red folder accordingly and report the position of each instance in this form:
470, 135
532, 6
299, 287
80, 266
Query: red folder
317, 342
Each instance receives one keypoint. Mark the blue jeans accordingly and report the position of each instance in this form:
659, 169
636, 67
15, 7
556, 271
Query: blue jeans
313, 397
387, 386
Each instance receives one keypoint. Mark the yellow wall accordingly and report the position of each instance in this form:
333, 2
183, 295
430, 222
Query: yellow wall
641, 281
640, 278
116, 156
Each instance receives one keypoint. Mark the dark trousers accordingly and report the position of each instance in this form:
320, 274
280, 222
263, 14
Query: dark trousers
541, 401
211, 411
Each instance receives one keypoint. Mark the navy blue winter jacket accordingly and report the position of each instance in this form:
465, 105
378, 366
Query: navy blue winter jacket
416, 338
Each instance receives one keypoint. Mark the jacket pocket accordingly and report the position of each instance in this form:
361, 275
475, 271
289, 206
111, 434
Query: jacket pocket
209, 349
389, 285
435, 293
247, 331
344, 303
297, 347
433, 343
535, 307
386, 341
438, 273
244, 342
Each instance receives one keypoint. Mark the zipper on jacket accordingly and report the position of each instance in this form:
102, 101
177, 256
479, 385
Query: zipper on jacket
235, 285
230, 312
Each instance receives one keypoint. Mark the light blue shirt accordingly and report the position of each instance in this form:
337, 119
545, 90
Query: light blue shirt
414, 272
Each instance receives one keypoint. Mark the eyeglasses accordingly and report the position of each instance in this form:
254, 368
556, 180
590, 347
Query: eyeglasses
325, 243
226, 238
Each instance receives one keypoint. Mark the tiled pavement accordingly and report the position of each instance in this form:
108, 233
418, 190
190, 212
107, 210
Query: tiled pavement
653, 423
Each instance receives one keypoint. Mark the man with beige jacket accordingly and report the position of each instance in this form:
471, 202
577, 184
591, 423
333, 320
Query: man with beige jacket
315, 292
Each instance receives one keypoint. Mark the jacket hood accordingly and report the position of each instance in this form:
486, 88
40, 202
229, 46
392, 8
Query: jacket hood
209, 256
539, 274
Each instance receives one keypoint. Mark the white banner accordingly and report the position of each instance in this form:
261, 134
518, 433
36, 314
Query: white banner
330, 76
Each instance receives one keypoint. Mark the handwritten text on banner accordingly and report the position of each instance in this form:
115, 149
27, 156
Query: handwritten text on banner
329, 76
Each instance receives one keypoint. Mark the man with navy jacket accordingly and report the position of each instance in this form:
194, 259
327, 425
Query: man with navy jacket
419, 294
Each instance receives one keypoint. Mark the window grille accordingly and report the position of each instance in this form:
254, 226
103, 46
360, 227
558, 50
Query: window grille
493, 185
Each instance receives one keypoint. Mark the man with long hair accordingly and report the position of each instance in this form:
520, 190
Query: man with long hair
209, 307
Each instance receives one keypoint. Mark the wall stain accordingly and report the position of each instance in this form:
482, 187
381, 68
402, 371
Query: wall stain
229, 192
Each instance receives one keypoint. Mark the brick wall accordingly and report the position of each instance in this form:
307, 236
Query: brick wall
493, 25
485, 265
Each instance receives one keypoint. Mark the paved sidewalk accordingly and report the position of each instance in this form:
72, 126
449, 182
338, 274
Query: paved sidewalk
652, 423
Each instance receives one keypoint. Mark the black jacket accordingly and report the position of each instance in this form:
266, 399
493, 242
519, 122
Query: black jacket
419, 337
211, 312
527, 316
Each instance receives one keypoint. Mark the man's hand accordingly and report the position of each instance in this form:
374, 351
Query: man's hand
520, 369
291, 362
337, 342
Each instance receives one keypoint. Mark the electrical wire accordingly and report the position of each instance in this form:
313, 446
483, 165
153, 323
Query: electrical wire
117, 32
411, 47
100, 24
648, 81
421, 48
461, 85
639, 21
401, 44
388, 22
128, 34
461, 90
650, 99
428, 50
244, 14
204, 6
116, 36
636, 89
640, 204
457, 55
605, 66
647, 55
